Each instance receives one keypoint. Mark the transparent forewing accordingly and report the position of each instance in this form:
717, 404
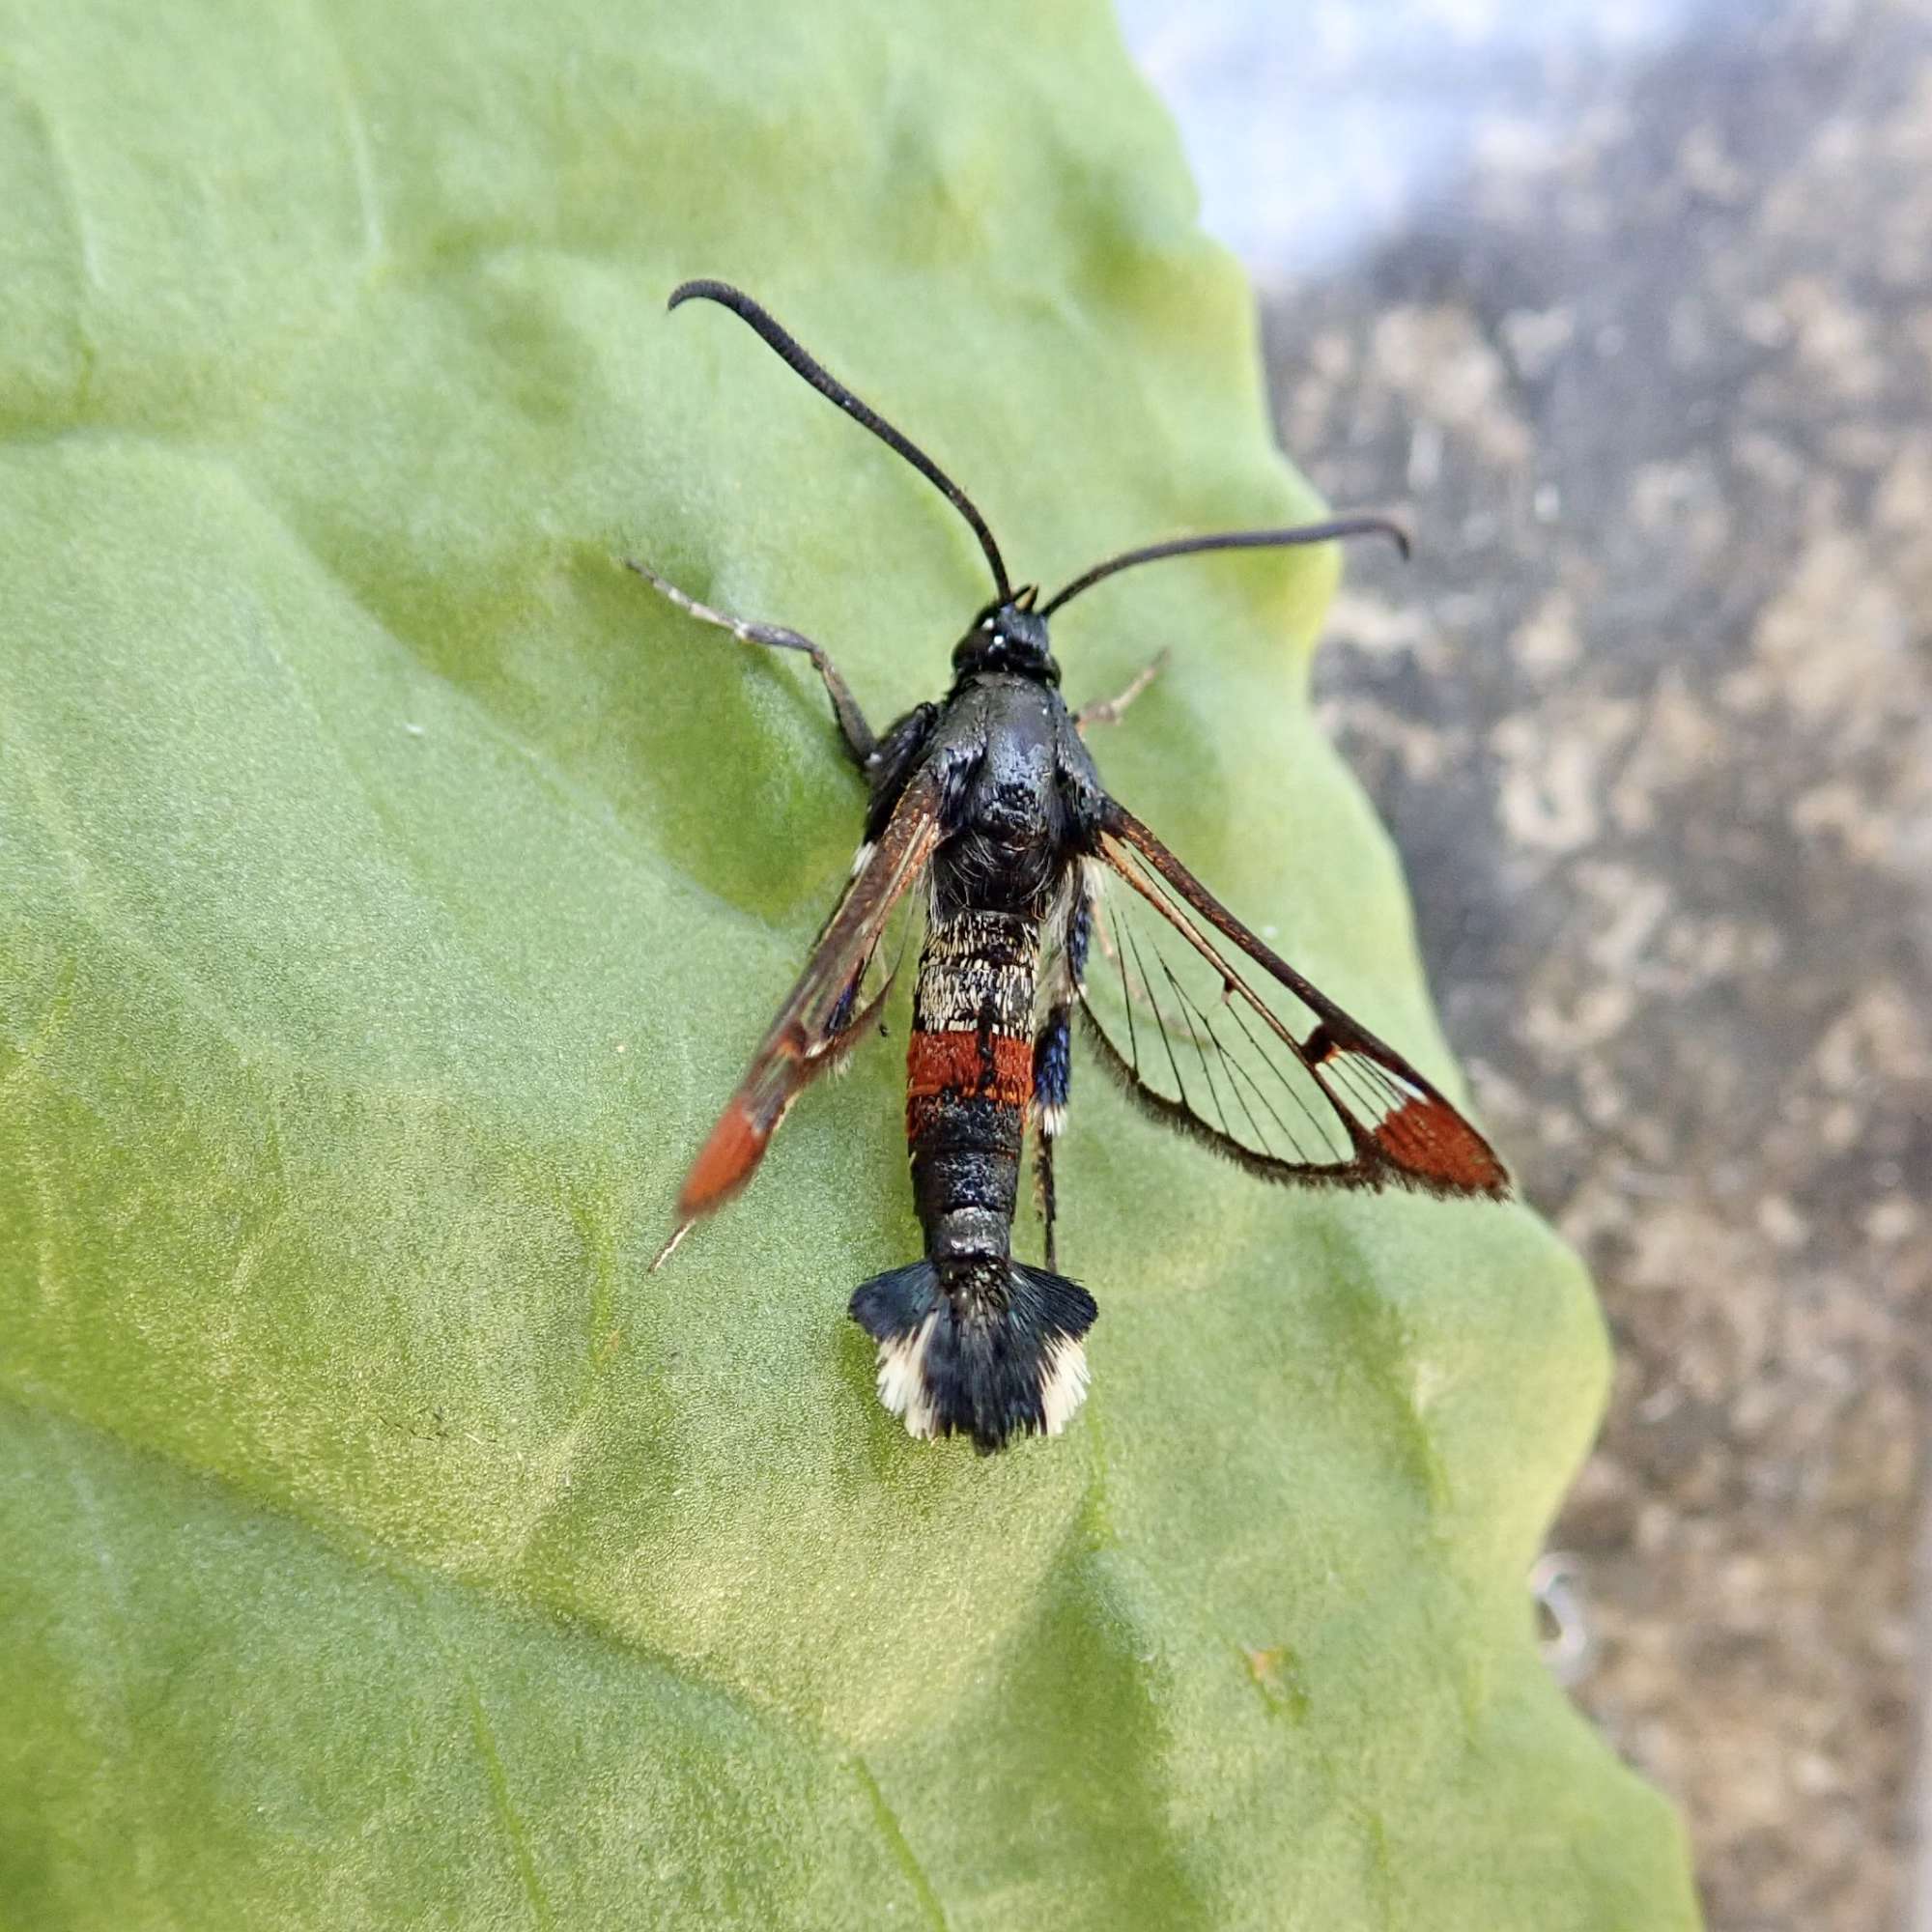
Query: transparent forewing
1211, 1031
858, 1010
838, 995
1177, 1031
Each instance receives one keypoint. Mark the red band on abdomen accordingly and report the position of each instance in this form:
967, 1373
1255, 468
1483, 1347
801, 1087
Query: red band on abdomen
970, 1065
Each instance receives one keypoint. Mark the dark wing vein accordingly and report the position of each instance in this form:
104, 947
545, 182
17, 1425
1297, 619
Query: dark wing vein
1160, 1018
1187, 1004
817, 1020
1292, 1066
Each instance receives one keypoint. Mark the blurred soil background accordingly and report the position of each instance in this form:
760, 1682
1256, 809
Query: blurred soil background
1631, 305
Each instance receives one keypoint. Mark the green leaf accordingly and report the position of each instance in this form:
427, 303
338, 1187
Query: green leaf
390, 889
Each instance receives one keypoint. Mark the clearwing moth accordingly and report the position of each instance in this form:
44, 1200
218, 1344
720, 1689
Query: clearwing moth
987, 804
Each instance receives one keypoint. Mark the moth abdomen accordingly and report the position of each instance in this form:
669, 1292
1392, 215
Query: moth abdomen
969, 1079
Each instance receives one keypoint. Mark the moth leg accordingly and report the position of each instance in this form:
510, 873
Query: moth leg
1043, 1176
858, 737
1052, 1053
1051, 1066
1107, 710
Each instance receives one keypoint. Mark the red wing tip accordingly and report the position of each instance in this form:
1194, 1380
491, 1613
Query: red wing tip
1430, 1138
724, 1164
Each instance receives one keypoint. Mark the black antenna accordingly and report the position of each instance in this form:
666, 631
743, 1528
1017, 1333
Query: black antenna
1302, 533
827, 384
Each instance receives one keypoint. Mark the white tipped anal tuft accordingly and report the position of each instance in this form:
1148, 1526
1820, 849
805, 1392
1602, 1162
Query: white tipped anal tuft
1064, 1387
902, 1383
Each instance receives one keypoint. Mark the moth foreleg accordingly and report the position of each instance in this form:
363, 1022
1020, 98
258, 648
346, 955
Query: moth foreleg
858, 737
1108, 710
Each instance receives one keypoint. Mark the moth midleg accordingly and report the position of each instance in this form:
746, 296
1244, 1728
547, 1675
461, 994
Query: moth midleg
860, 739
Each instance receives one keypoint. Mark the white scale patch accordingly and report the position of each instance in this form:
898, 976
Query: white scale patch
902, 1378
1065, 1387
1374, 1088
956, 981
904, 1392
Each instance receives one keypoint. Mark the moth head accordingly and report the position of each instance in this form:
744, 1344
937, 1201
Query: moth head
1008, 635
